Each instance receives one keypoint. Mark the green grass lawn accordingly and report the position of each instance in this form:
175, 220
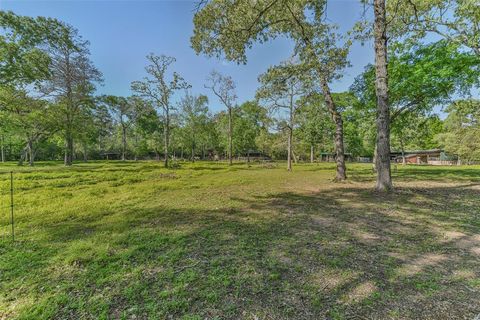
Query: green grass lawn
205, 241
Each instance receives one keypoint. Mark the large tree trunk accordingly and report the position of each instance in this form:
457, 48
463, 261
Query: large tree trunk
374, 162
384, 179
230, 133
337, 119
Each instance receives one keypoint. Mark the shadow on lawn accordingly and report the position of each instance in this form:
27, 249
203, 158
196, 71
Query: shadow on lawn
343, 252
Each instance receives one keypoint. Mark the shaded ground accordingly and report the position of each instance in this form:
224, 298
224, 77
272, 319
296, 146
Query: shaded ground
135, 241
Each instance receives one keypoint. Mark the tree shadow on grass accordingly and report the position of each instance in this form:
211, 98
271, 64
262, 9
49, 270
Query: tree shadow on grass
342, 252
438, 173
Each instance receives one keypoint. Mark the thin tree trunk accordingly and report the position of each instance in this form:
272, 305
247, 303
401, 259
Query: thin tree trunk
289, 150
85, 154
65, 157
31, 155
166, 132
193, 153
230, 133
23, 156
290, 135
136, 147
71, 150
337, 119
124, 142
384, 178
68, 149
3, 148
311, 153
403, 152
294, 157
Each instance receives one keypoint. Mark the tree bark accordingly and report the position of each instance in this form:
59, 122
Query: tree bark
403, 152
31, 155
311, 153
289, 150
85, 154
124, 142
384, 178
294, 156
337, 119
3, 148
230, 133
68, 149
23, 155
166, 132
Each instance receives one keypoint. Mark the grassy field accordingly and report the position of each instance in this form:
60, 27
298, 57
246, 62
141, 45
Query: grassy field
205, 241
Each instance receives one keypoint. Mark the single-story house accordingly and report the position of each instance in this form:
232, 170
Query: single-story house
432, 157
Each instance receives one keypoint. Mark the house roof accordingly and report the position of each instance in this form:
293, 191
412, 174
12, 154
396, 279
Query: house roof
417, 152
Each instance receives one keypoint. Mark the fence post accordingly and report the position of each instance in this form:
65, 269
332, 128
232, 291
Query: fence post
11, 206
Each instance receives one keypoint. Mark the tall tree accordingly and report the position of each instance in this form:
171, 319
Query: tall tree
462, 130
159, 88
71, 85
315, 124
382, 165
250, 122
122, 110
194, 116
457, 21
228, 28
224, 88
421, 76
23, 59
30, 118
281, 88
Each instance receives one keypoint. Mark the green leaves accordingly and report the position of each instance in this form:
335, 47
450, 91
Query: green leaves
462, 129
158, 87
23, 59
421, 77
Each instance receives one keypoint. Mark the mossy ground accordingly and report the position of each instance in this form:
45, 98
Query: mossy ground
207, 241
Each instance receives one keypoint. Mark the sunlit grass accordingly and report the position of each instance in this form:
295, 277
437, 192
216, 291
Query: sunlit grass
117, 240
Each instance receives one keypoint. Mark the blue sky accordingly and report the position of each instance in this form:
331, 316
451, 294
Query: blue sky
122, 33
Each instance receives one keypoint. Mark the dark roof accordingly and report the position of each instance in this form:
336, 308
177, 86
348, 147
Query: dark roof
416, 152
